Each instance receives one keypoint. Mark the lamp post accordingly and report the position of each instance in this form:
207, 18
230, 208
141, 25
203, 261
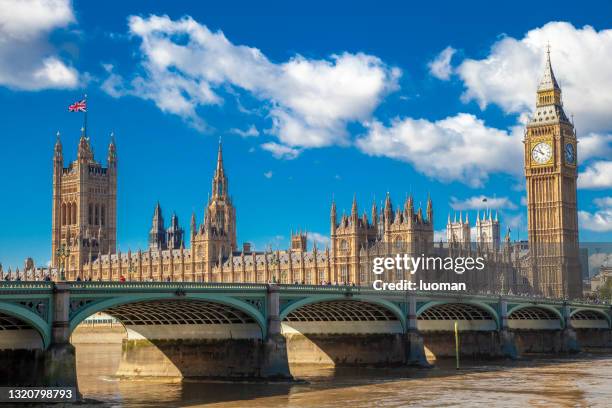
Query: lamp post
130, 270
62, 253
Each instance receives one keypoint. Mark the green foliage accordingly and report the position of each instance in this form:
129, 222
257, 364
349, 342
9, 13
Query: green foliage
605, 290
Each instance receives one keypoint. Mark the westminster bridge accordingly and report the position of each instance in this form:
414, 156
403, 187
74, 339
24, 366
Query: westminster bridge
222, 330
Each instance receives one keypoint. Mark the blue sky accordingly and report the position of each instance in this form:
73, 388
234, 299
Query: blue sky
312, 102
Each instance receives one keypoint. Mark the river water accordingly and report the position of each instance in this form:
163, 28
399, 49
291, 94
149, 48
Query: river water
584, 381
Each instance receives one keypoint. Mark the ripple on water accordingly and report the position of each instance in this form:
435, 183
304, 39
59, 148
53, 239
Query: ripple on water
575, 382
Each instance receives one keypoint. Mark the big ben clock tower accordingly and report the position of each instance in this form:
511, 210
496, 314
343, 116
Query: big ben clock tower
550, 170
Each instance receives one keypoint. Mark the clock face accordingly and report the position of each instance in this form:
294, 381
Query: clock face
541, 153
570, 154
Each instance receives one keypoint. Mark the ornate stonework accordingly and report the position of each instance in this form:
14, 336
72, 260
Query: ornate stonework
550, 171
84, 205
84, 219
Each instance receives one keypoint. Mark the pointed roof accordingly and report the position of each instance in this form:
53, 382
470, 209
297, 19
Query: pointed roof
548, 81
157, 223
220, 157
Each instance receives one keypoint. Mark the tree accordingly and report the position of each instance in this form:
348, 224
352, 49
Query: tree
605, 290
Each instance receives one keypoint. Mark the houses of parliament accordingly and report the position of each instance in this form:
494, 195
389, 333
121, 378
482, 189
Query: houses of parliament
85, 222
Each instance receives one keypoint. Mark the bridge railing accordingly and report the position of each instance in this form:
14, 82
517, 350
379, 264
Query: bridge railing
44, 285
165, 285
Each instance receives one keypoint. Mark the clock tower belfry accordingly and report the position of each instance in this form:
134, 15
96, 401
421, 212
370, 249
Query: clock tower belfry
550, 171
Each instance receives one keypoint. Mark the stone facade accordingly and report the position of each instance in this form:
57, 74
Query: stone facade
84, 205
355, 240
551, 173
85, 221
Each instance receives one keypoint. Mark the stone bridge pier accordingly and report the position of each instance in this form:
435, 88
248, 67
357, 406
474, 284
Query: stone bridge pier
26, 361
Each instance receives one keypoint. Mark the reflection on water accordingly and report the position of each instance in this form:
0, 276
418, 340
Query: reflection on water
576, 382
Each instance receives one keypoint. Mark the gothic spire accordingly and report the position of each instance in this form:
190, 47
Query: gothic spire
374, 212
219, 179
220, 158
548, 81
354, 206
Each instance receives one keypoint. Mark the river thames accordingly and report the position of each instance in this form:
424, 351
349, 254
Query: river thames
583, 381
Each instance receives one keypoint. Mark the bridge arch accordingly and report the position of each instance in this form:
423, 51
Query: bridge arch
347, 330
536, 317
590, 318
379, 306
440, 315
117, 302
13, 311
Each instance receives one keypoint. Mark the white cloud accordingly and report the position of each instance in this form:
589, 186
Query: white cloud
600, 220
27, 60
268, 174
319, 239
281, 151
594, 145
477, 203
250, 132
515, 221
603, 202
310, 102
113, 84
459, 148
441, 67
597, 175
523, 200
509, 75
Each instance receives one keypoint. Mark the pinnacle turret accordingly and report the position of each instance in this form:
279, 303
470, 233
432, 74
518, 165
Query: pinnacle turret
354, 211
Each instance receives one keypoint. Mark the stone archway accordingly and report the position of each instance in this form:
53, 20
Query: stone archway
343, 332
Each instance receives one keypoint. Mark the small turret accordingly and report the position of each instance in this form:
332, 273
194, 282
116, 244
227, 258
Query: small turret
388, 210
58, 148
374, 213
84, 152
409, 206
193, 224
333, 217
429, 210
157, 235
112, 152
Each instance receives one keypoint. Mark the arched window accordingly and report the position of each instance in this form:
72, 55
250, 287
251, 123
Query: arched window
63, 215
74, 213
344, 245
90, 214
399, 243
97, 214
102, 214
344, 273
220, 219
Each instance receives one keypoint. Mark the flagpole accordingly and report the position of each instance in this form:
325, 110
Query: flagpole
85, 116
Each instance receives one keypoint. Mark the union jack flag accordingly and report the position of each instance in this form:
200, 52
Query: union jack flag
80, 106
